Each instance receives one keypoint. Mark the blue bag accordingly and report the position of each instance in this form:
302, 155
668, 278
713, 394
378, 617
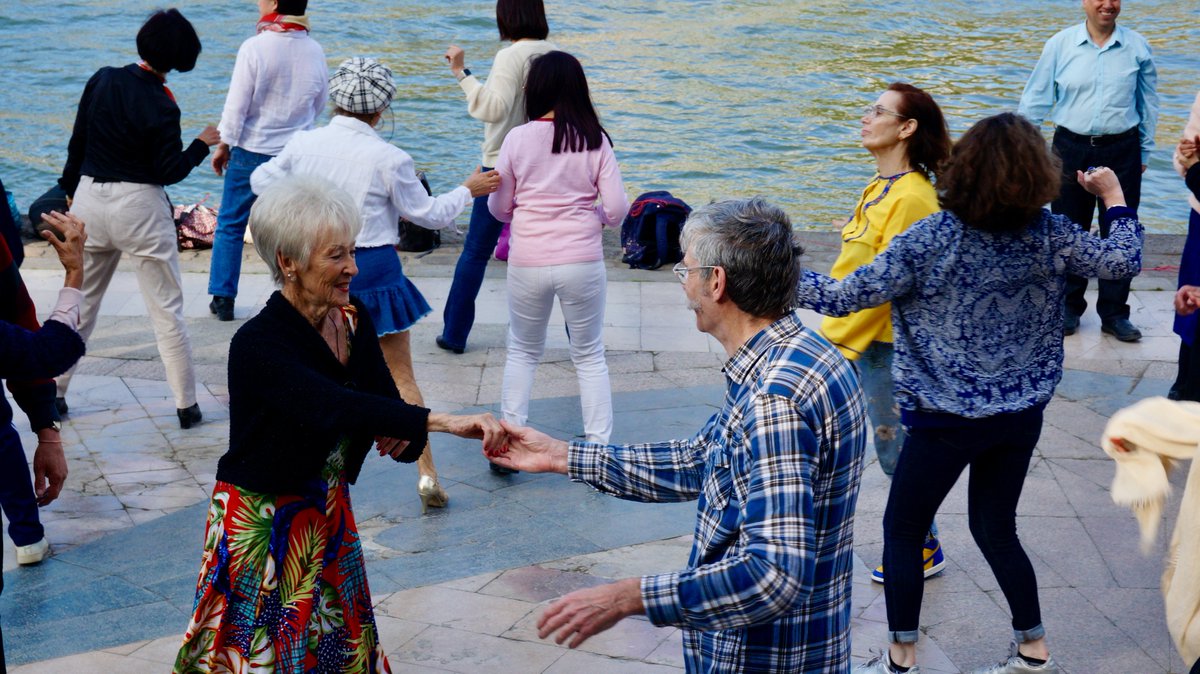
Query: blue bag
650, 232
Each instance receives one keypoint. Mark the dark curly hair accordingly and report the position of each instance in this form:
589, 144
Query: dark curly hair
1000, 174
930, 143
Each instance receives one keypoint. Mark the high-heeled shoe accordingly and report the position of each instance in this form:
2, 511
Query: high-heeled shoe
431, 493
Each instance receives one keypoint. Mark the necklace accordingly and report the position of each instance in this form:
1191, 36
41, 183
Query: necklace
337, 342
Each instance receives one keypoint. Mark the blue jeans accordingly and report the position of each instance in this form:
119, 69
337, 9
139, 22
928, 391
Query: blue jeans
875, 375
228, 242
998, 450
482, 234
16, 491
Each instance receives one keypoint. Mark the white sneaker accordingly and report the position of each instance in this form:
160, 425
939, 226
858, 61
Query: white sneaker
882, 664
34, 553
1015, 664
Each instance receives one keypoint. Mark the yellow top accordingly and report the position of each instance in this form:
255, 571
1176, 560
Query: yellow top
888, 207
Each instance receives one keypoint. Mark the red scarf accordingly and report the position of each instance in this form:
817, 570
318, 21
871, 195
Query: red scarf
275, 23
162, 79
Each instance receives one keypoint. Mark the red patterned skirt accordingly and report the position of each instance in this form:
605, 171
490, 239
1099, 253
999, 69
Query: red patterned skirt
283, 585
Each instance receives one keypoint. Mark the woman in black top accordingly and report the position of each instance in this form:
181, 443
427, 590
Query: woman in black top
124, 148
283, 578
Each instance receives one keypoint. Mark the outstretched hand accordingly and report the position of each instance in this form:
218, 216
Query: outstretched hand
590, 611
478, 426
66, 234
530, 451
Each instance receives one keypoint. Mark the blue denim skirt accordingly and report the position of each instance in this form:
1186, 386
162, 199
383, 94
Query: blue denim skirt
393, 301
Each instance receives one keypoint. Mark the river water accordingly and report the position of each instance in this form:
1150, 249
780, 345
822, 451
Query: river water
705, 98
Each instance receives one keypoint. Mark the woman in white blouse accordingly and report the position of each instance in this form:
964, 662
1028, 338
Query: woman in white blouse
380, 178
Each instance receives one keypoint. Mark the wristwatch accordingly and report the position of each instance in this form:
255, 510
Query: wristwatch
54, 425
466, 72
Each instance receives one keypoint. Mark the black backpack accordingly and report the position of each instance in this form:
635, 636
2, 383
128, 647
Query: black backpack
415, 238
650, 232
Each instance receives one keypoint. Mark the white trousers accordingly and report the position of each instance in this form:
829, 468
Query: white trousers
581, 289
135, 219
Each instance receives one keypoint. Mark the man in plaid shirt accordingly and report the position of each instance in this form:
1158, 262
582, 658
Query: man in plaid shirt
775, 472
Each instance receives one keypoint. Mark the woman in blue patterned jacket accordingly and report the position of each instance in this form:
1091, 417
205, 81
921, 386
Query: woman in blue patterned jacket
975, 291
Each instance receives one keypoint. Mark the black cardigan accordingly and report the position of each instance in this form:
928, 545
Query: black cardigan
127, 129
290, 400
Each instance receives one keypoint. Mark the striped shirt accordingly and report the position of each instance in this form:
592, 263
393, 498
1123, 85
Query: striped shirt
775, 472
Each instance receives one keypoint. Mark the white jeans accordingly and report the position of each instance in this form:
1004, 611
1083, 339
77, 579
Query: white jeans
135, 218
581, 290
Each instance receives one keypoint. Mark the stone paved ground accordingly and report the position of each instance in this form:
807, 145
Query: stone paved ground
458, 589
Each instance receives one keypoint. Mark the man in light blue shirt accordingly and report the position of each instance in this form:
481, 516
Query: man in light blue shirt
1097, 83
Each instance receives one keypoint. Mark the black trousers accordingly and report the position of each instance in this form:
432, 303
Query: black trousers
1124, 156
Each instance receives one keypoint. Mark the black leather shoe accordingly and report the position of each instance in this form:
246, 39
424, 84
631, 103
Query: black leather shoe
443, 344
1070, 324
189, 417
222, 307
60, 404
1122, 329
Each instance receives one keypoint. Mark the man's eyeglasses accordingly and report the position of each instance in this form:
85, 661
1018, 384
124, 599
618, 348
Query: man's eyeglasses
873, 111
681, 272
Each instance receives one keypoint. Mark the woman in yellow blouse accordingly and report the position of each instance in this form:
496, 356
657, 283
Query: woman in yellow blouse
906, 133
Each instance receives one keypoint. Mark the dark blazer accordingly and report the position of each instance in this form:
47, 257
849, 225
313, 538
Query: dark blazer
290, 400
127, 130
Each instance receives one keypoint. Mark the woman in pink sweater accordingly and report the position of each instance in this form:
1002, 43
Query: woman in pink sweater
553, 170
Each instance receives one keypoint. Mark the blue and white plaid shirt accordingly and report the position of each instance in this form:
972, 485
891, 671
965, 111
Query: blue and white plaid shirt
767, 588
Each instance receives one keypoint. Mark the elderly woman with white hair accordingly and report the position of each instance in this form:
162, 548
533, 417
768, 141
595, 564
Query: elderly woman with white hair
383, 184
282, 578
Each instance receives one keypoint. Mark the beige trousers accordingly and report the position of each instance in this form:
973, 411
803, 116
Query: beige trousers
135, 219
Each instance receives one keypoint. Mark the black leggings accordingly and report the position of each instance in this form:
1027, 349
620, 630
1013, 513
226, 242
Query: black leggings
998, 450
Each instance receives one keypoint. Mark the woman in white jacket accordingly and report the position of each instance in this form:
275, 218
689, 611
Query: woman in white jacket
382, 181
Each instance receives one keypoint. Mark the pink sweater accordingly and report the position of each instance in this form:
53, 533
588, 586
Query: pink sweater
550, 199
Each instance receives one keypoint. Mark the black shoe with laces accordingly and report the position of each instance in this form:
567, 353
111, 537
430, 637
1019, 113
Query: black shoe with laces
1122, 329
222, 307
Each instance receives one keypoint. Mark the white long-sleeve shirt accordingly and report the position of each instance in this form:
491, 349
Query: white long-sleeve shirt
279, 86
500, 101
378, 175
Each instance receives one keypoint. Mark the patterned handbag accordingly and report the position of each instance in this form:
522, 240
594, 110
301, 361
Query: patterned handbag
195, 225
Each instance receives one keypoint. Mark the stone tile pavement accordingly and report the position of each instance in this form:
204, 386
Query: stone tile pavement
459, 589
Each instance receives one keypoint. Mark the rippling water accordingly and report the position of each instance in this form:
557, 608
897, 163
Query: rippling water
706, 98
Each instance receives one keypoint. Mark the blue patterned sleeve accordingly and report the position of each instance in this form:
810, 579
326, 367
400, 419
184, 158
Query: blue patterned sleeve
771, 485
889, 275
1117, 257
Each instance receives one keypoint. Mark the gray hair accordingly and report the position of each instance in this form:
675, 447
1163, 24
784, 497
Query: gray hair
290, 216
752, 240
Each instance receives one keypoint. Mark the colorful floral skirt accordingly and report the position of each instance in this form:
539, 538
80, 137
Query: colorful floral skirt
283, 586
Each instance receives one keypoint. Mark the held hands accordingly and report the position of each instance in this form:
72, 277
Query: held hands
456, 57
66, 234
1102, 182
584, 613
210, 136
1187, 300
1188, 152
479, 426
482, 183
220, 159
530, 451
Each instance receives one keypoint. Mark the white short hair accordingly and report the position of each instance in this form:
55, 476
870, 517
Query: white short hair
291, 215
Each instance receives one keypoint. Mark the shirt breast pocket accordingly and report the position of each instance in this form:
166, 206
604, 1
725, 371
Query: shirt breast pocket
718, 480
